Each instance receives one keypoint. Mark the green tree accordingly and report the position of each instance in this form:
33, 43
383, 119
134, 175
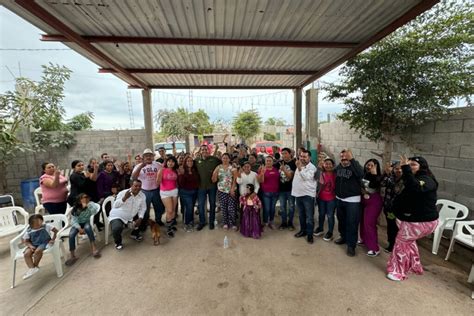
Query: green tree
80, 122
274, 121
270, 137
410, 77
247, 124
180, 122
32, 106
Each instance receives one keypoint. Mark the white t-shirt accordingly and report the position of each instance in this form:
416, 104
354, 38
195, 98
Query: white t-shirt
148, 175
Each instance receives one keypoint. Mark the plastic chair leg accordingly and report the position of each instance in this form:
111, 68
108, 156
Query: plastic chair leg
13, 272
450, 249
436, 241
470, 279
57, 262
106, 233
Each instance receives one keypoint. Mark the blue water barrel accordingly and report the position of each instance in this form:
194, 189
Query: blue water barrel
28, 187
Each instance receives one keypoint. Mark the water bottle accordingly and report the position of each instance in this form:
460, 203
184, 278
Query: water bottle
226, 242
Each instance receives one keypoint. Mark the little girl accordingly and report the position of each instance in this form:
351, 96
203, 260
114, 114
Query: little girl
80, 222
250, 225
37, 238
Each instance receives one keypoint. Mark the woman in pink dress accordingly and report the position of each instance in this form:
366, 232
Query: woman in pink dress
415, 209
250, 225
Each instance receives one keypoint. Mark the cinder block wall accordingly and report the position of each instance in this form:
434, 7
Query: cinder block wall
90, 144
448, 145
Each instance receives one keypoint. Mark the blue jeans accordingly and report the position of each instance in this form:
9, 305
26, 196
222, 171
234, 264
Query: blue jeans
73, 233
287, 216
326, 208
305, 205
202, 194
269, 204
348, 217
152, 197
188, 198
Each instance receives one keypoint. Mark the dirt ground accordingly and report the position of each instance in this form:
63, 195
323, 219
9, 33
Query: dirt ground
193, 275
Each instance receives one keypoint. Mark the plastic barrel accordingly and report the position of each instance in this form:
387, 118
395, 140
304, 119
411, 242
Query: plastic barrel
28, 187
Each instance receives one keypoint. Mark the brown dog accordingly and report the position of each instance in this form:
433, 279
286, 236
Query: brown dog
155, 231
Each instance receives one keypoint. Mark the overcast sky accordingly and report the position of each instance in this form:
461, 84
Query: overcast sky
106, 96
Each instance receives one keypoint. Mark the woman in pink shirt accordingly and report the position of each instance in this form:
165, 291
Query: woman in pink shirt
53, 189
326, 197
167, 179
269, 177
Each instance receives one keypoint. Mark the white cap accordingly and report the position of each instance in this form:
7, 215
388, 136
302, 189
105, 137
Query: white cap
148, 151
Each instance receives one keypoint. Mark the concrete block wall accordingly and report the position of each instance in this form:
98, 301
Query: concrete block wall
448, 145
90, 144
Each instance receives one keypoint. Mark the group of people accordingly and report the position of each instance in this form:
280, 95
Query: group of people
247, 184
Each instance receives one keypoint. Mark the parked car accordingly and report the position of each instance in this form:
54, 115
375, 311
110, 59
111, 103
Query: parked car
180, 146
268, 146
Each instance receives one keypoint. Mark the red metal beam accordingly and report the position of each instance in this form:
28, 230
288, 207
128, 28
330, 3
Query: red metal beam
407, 17
219, 87
201, 42
212, 71
71, 36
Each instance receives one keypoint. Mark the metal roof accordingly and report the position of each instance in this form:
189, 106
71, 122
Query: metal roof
218, 43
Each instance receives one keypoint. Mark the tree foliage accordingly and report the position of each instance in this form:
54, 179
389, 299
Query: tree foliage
247, 124
80, 122
33, 106
180, 122
275, 121
410, 77
269, 137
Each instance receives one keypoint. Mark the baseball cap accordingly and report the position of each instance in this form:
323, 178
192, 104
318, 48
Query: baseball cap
148, 151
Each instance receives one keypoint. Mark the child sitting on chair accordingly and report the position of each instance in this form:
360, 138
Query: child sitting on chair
80, 222
251, 225
37, 238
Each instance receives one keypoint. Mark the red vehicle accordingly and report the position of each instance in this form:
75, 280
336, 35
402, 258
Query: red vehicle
268, 146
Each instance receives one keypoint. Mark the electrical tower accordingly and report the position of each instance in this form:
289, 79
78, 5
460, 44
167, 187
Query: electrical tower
190, 104
130, 109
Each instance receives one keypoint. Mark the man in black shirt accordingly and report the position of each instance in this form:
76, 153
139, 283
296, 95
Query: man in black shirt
287, 167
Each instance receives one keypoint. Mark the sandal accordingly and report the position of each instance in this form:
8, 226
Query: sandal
96, 254
69, 262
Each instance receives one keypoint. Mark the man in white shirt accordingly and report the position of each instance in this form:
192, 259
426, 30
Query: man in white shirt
147, 173
304, 191
129, 207
247, 176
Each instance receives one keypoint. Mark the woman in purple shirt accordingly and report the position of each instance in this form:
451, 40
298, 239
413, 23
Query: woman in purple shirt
269, 177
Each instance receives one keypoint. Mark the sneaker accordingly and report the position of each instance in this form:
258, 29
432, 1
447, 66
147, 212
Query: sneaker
318, 232
388, 249
137, 237
270, 225
225, 227
360, 242
339, 241
327, 236
372, 253
351, 252
282, 227
119, 246
291, 227
170, 233
188, 228
234, 228
392, 277
200, 227
174, 228
28, 274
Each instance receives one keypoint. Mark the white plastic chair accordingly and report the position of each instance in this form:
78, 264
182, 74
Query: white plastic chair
460, 236
16, 251
39, 208
109, 200
448, 215
9, 220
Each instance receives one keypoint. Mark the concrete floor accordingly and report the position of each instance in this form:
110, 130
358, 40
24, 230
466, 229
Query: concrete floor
193, 275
